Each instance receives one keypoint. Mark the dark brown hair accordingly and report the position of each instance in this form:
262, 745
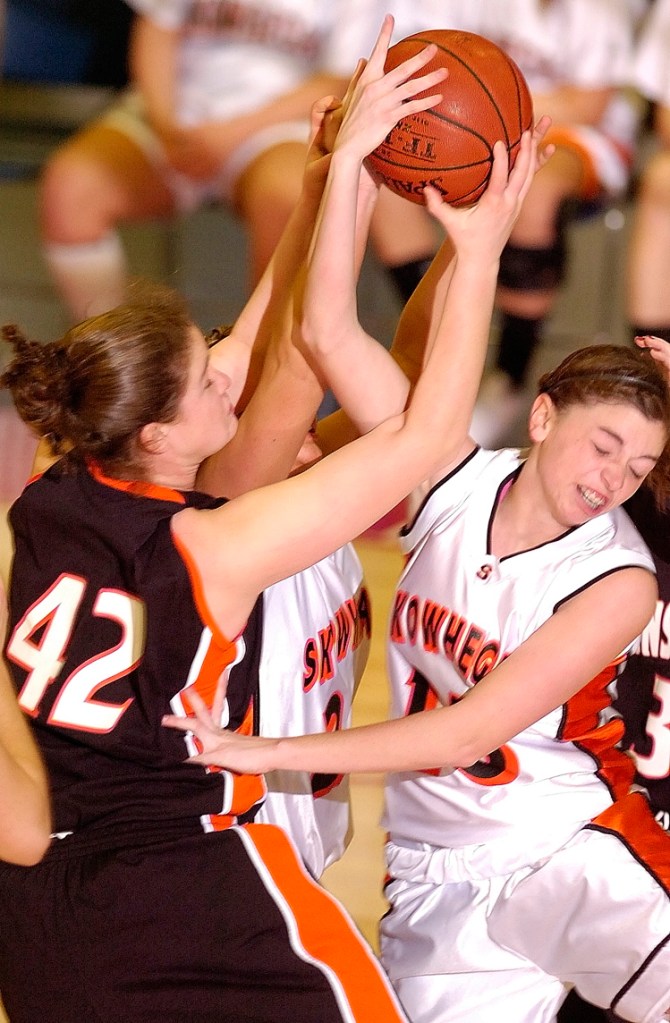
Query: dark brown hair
94, 389
617, 375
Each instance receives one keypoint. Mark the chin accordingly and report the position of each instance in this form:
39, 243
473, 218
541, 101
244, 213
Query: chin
227, 431
231, 428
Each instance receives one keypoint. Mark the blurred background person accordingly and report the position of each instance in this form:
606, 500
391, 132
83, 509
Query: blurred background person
218, 111
648, 296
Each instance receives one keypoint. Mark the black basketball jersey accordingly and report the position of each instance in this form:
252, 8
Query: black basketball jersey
106, 636
644, 686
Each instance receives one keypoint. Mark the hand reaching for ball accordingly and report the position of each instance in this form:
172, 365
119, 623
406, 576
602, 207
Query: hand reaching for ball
376, 100
483, 229
450, 145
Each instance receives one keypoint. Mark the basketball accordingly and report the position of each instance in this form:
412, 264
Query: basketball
485, 98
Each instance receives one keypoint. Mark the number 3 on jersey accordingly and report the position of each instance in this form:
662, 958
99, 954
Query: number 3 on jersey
39, 643
656, 764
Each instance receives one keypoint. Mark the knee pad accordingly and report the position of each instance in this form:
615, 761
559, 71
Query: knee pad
524, 269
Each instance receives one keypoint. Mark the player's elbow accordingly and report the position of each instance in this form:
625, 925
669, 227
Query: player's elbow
470, 755
314, 334
471, 742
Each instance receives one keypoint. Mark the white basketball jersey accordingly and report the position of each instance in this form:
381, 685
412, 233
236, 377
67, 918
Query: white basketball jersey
238, 55
583, 43
315, 647
566, 42
458, 611
651, 67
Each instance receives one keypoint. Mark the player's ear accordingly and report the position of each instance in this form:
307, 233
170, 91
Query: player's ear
152, 438
541, 418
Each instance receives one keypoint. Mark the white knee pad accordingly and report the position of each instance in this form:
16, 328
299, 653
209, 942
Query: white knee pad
91, 277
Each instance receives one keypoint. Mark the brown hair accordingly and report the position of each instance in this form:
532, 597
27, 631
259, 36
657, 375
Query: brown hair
617, 375
94, 389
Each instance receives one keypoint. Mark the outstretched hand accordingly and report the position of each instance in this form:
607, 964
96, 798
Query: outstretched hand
325, 122
485, 227
245, 754
376, 100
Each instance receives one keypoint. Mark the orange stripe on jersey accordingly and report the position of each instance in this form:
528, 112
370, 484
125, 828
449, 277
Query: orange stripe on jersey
586, 724
199, 595
320, 930
632, 819
216, 661
242, 791
138, 487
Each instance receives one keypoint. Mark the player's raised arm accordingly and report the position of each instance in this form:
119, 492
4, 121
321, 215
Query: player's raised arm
271, 533
331, 329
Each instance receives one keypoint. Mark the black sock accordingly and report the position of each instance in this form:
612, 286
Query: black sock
642, 330
406, 276
519, 338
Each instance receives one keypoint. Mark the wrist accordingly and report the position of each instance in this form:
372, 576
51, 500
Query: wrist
344, 159
277, 755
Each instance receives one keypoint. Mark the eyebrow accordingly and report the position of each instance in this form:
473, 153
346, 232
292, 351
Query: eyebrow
619, 440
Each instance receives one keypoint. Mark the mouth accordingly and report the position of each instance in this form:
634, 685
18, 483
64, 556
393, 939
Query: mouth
592, 499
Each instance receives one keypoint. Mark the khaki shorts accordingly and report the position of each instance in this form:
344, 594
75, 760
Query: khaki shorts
127, 117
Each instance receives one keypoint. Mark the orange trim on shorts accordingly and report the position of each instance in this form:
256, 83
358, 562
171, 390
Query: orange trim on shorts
325, 933
563, 137
631, 818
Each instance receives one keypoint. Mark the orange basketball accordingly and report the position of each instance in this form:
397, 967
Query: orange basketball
485, 98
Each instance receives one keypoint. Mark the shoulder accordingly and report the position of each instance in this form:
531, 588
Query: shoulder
628, 542
606, 556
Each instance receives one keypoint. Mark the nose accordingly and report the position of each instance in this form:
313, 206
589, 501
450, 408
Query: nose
613, 476
222, 380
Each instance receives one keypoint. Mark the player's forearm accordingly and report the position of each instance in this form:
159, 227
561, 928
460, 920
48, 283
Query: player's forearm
418, 742
291, 106
283, 277
329, 309
446, 391
368, 385
421, 313
280, 273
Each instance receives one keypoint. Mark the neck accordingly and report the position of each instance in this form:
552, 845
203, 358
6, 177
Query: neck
173, 477
176, 478
522, 519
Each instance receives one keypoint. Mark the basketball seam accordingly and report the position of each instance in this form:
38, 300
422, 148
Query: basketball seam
475, 76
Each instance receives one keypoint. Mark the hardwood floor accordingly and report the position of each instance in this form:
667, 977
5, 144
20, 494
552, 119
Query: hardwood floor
357, 878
